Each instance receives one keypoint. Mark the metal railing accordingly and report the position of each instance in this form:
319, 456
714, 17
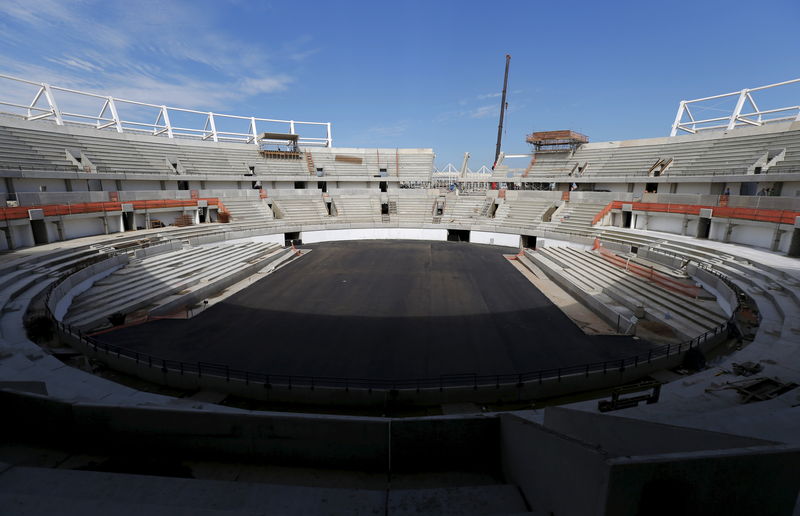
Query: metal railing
45, 106
222, 371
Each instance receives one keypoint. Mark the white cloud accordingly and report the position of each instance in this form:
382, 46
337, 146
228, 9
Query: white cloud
483, 111
152, 51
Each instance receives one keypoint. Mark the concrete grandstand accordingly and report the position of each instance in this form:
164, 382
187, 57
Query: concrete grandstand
684, 248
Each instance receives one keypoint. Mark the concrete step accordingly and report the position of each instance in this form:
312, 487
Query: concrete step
129, 296
667, 298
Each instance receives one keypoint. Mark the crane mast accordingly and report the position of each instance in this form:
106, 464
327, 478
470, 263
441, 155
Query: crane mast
502, 113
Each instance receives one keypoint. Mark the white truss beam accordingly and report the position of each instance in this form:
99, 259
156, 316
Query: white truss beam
111, 116
736, 117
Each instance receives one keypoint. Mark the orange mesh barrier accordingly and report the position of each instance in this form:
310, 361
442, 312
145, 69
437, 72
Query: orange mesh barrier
761, 215
50, 210
662, 280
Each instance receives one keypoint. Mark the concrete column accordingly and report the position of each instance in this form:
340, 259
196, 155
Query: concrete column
728, 231
147, 220
646, 221
776, 238
121, 222
685, 227
9, 239
60, 228
105, 224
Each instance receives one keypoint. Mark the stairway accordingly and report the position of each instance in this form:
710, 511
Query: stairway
310, 163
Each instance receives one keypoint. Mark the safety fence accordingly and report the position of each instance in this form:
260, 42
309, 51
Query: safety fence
51, 210
756, 214
475, 380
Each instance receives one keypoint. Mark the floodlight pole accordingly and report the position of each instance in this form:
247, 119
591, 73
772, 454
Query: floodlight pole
502, 113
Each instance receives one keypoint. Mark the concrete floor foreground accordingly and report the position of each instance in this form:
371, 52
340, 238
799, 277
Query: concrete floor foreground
385, 310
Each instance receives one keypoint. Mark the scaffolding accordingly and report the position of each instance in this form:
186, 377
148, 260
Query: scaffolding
556, 141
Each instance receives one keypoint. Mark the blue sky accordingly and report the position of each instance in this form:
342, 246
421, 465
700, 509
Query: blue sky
413, 74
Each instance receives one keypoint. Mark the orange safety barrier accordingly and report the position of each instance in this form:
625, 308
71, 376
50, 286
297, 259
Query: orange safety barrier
650, 274
50, 210
597, 218
757, 214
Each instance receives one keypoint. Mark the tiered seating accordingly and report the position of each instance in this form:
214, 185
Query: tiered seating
306, 210
574, 218
356, 208
145, 281
462, 209
415, 164
413, 208
255, 212
522, 212
689, 317
326, 160
282, 167
733, 153
18, 152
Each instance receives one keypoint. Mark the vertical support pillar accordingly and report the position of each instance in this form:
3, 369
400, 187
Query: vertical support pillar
60, 229
213, 126
104, 218
9, 237
253, 130
776, 238
328, 135
728, 231
51, 100
167, 123
113, 107
678, 117
738, 109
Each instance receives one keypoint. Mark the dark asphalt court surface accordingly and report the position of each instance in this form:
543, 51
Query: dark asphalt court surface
383, 310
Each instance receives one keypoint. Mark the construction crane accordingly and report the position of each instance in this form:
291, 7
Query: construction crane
502, 113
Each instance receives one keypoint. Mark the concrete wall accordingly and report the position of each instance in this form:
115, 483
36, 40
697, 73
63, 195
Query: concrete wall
755, 236
667, 224
141, 185
485, 237
22, 234
691, 188
24, 184
756, 480
310, 237
80, 227
557, 474
726, 297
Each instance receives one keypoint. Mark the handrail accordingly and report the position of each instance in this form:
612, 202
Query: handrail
109, 117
